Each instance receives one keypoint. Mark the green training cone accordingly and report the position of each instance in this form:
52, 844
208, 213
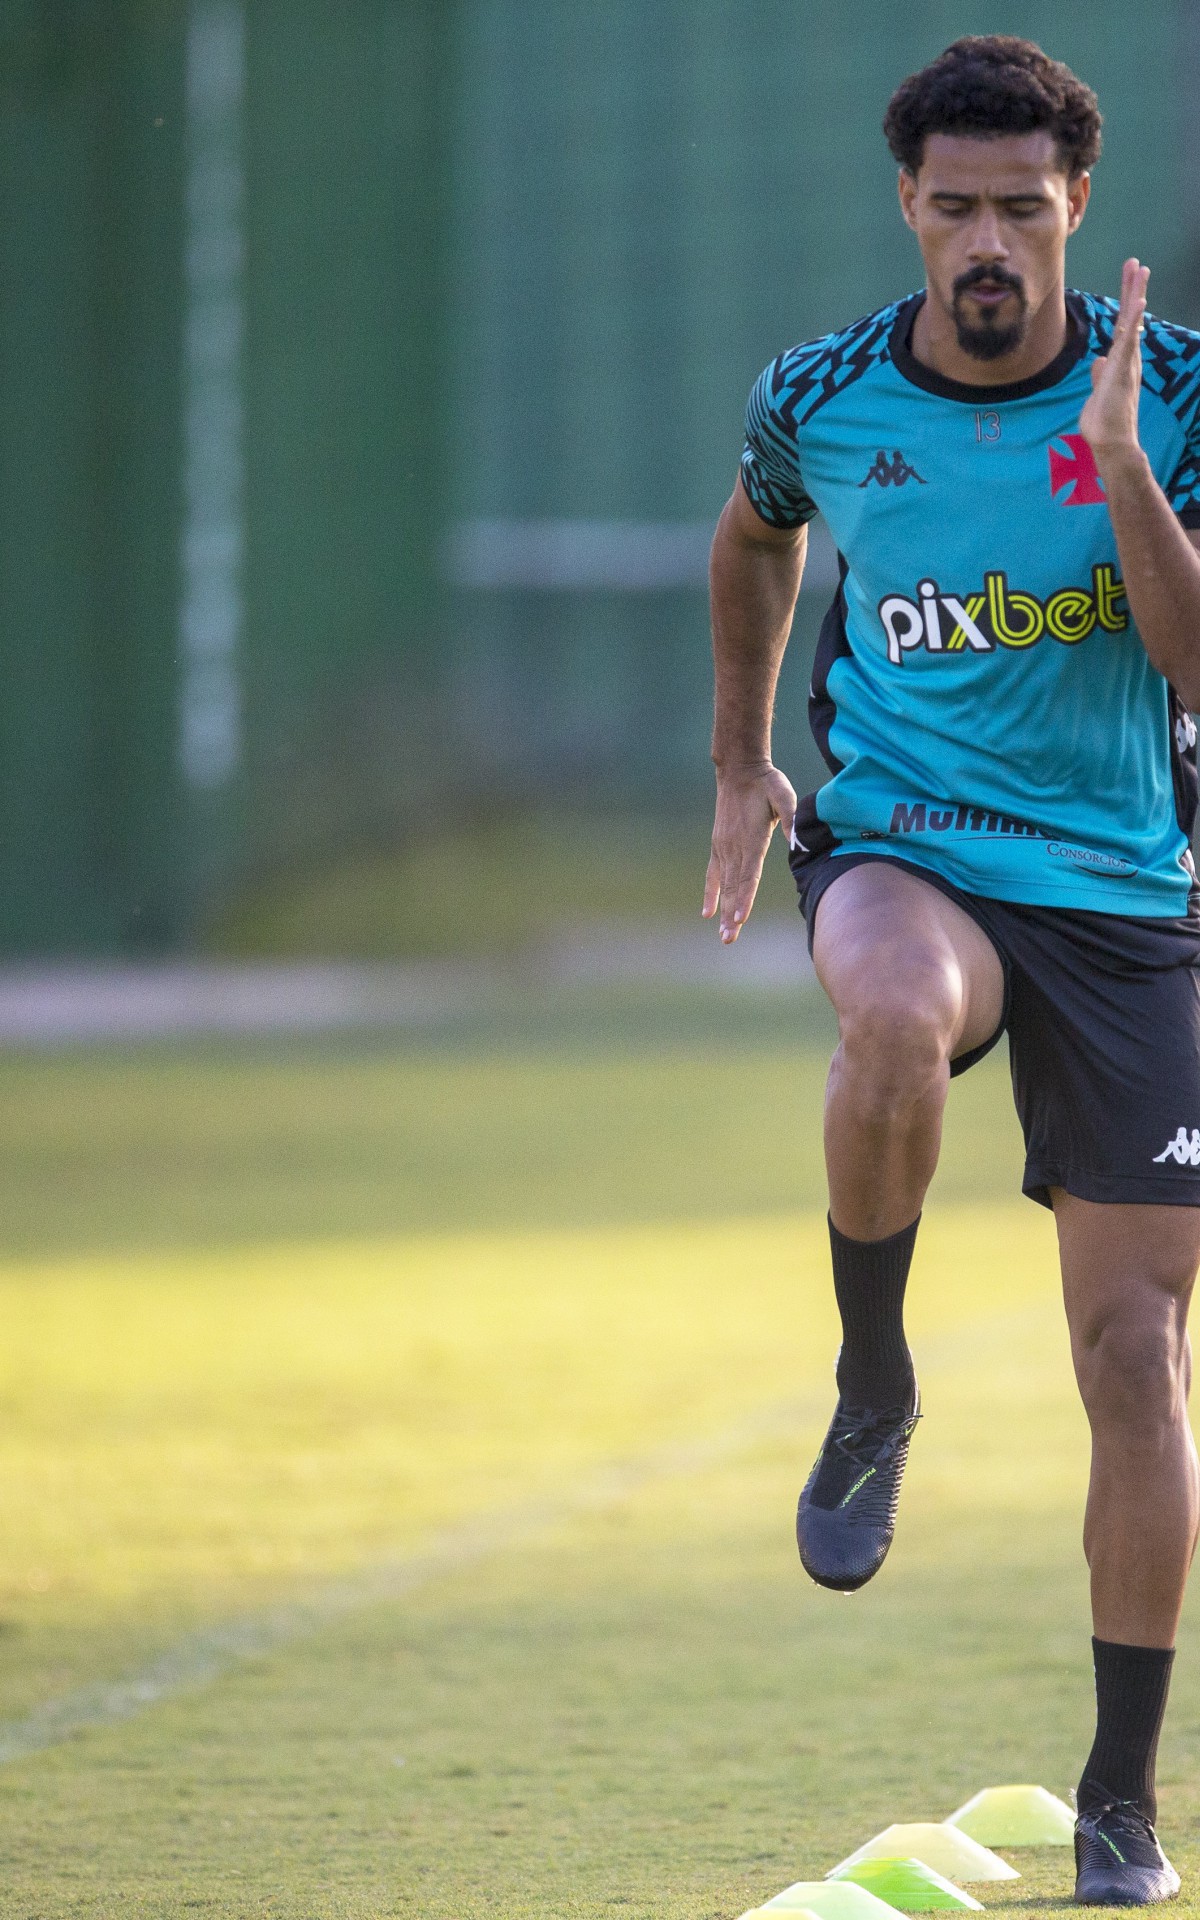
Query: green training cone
908, 1885
829, 1900
946, 1849
1016, 1817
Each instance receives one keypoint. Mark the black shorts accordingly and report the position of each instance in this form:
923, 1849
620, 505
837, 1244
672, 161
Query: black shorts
1103, 1020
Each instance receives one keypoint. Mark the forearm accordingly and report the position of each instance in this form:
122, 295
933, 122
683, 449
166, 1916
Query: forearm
1160, 569
754, 583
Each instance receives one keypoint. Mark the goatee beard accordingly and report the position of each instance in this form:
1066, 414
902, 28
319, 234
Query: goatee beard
989, 341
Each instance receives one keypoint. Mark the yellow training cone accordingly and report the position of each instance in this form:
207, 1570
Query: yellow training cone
798, 1913
908, 1885
828, 1900
1016, 1817
945, 1848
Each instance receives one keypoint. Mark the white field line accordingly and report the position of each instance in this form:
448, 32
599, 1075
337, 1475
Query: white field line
203, 1656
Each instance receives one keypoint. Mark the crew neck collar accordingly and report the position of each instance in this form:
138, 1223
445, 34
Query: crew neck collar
1072, 351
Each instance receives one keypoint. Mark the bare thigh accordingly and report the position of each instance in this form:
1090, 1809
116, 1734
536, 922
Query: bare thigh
888, 943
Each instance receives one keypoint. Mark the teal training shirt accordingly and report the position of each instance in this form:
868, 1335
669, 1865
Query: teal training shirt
980, 695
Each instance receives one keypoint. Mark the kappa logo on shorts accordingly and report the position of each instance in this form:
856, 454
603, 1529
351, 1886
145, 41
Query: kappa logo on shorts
1182, 1148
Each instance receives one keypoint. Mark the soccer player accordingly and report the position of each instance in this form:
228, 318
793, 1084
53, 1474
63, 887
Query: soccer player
1001, 692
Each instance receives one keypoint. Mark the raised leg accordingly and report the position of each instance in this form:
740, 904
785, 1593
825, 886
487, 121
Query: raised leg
914, 981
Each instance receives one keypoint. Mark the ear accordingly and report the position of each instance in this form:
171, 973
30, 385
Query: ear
906, 185
1079, 192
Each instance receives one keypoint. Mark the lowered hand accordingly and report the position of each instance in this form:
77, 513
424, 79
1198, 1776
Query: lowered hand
751, 802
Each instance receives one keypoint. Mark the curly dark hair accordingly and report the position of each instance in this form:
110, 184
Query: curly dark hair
994, 83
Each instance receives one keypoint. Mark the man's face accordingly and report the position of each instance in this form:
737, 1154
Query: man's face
992, 215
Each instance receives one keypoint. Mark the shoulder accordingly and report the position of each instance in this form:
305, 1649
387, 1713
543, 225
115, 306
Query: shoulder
1170, 354
1097, 314
798, 383
1171, 367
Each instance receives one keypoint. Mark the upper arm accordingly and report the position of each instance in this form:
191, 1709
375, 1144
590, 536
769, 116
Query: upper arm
743, 520
771, 473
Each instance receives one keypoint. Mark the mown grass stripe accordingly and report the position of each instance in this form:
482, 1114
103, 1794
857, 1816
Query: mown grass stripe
201, 1657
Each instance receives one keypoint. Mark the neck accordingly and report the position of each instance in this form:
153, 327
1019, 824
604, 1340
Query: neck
935, 344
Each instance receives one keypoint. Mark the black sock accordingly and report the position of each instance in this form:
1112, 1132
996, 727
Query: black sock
1131, 1698
874, 1368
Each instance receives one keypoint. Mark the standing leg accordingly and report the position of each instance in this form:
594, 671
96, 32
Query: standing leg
914, 981
1128, 1273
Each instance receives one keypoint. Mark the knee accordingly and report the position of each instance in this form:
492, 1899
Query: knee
1134, 1373
898, 1043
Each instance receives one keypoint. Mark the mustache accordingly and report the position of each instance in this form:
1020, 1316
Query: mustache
991, 276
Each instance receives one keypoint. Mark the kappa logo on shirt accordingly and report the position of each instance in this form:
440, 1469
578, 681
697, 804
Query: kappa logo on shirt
1075, 469
1182, 1149
891, 473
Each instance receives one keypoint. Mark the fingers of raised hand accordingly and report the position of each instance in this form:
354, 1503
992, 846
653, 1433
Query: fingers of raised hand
1134, 280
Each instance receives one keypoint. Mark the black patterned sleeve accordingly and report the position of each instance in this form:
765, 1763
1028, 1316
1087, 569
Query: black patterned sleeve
1171, 369
1183, 489
770, 461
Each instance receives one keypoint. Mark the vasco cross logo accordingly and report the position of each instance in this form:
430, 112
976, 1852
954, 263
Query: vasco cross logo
891, 473
1076, 470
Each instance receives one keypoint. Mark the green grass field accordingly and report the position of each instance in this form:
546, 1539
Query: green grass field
418, 1426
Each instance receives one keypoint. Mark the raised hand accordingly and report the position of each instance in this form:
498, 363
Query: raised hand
1109, 421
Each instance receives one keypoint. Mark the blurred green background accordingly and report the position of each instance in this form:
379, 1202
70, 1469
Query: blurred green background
371, 377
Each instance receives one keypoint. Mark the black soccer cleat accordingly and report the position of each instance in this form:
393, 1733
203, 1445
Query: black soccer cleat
1118, 1861
847, 1511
